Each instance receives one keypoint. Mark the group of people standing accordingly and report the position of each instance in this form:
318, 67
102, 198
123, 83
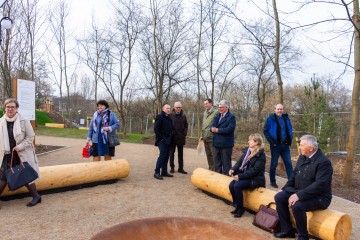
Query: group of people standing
308, 187
309, 184
170, 129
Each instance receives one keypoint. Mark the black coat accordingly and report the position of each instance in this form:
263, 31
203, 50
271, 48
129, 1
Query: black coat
163, 129
311, 179
255, 169
180, 126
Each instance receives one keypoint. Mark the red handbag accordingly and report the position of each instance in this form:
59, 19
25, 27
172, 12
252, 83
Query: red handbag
267, 218
87, 151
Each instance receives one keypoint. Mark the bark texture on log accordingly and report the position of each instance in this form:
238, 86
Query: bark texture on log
325, 224
67, 175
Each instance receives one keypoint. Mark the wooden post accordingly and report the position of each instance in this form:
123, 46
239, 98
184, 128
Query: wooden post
324, 224
298, 145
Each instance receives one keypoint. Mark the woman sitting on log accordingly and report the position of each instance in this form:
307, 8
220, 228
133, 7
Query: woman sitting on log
248, 172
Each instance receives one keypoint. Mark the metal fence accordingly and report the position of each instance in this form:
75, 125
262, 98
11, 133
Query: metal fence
249, 123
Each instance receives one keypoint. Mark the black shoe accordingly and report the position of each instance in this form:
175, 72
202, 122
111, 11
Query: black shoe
158, 176
290, 234
34, 202
167, 175
182, 171
234, 211
172, 170
274, 185
239, 213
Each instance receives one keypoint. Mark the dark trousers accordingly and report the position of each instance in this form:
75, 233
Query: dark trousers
222, 160
282, 150
209, 149
180, 149
299, 210
236, 188
163, 158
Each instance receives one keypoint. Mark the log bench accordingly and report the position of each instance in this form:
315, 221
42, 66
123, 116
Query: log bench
55, 125
324, 224
58, 176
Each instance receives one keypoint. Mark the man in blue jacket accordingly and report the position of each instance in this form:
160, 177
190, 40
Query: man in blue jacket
278, 132
223, 129
308, 189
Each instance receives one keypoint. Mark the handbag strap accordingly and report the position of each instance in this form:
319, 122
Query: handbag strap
12, 157
270, 204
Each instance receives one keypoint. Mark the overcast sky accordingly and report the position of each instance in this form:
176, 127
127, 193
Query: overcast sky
82, 11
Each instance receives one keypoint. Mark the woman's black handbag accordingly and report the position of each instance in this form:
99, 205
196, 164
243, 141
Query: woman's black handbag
113, 139
19, 175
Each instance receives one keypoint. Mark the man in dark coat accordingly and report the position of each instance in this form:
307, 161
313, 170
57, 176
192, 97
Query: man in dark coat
180, 127
278, 131
223, 129
308, 189
163, 129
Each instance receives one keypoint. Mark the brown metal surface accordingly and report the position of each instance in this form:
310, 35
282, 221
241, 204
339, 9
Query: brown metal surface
176, 228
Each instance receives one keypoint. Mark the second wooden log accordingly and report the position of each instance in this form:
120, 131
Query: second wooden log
325, 224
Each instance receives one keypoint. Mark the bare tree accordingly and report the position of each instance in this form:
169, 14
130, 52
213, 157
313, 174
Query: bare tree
277, 54
354, 131
60, 66
93, 51
163, 47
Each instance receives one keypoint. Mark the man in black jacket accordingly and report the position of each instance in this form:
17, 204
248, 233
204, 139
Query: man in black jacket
180, 126
163, 129
308, 189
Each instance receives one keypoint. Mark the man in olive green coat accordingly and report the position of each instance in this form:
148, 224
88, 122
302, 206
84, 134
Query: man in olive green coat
207, 135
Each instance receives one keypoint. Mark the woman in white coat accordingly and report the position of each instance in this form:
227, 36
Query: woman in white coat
16, 133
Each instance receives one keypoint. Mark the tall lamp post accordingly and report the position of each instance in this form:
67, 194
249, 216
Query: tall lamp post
5, 22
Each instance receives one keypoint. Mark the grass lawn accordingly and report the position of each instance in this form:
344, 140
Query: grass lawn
82, 134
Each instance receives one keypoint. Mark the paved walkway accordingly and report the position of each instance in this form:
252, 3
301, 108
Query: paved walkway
82, 213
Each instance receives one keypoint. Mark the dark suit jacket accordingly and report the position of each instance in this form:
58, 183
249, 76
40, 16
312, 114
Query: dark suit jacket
163, 129
225, 137
311, 179
255, 170
180, 125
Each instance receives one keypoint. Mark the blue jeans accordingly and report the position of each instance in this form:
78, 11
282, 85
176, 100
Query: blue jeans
282, 150
163, 158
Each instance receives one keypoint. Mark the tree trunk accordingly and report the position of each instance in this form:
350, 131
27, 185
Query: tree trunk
277, 55
354, 125
198, 106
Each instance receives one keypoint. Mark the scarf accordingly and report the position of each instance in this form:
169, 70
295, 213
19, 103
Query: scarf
104, 121
245, 161
4, 135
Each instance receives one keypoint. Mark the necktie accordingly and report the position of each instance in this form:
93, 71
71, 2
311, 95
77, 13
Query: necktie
222, 115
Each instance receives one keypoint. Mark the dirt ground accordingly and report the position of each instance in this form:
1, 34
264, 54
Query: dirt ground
81, 213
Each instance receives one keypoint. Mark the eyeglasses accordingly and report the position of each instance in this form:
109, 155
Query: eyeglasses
177, 107
10, 107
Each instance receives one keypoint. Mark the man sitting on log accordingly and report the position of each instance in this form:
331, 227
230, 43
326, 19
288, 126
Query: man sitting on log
308, 189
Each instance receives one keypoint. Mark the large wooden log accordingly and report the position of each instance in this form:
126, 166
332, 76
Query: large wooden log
325, 224
58, 176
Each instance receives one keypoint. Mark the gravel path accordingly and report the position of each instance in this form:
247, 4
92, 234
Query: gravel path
80, 214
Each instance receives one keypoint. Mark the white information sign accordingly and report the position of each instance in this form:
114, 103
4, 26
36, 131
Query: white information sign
26, 98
